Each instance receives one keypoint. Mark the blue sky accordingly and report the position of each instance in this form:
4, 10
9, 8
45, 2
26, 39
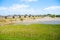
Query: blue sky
11, 7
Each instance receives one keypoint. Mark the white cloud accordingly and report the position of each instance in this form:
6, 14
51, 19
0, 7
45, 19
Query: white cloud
29, 0
17, 6
17, 9
52, 9
3, 8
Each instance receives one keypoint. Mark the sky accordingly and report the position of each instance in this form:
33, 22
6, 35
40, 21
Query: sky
33, 7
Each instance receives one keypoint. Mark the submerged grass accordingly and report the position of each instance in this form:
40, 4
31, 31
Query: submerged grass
30, 32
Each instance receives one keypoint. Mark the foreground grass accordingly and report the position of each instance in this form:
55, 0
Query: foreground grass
30, 32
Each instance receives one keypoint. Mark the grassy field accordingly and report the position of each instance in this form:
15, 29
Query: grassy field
30, 32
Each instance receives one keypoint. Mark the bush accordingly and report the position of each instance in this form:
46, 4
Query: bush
21, 19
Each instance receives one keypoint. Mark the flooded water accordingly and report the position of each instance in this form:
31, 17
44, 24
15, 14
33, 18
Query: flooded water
50, 22
41, 21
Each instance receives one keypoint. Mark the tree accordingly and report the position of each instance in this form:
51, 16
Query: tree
49, 15
13, 17
57, 15
29, 15
53, 16
25, 15
19, 16
5, 17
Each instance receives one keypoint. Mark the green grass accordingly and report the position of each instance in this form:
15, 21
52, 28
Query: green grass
30, 32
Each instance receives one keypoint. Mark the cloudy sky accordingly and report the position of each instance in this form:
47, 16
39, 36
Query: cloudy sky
11, 7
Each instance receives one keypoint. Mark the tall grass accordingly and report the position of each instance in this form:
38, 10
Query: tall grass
30, 32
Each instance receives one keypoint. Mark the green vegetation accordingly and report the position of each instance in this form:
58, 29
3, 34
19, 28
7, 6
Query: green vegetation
30, 32
57, 15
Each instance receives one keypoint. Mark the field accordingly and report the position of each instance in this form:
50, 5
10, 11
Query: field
30, 32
